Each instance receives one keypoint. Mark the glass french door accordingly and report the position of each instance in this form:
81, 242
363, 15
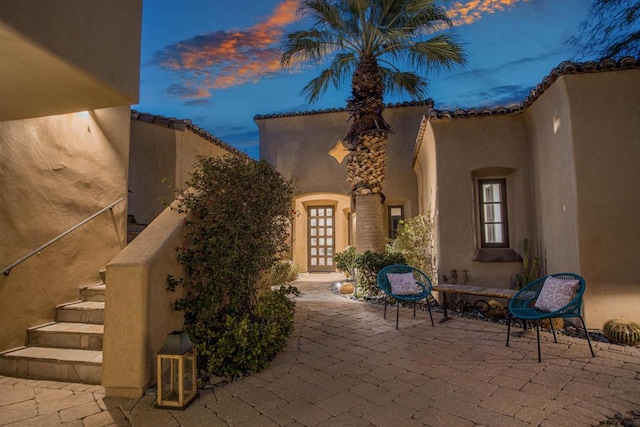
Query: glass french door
321, 240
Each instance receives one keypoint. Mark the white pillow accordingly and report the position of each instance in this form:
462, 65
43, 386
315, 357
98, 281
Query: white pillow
403, 284
555, 294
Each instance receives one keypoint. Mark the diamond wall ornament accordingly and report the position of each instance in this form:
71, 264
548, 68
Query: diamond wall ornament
339, 152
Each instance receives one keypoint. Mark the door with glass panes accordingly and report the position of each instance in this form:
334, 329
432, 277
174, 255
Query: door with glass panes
321, 238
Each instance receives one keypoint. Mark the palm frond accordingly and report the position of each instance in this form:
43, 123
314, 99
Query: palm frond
404, 83
341, 69
307, 46
405, 33
442, 51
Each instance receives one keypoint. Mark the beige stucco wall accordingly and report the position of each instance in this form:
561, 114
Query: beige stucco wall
68, 55
586, 147
139, 309
161, 162
454, 153
298, 147
55, 172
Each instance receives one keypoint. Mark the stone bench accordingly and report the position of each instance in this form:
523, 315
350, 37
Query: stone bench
470, 290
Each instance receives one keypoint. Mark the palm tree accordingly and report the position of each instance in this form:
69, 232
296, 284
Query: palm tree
369, 40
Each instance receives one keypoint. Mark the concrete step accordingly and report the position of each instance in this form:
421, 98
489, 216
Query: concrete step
85, 336
93, 292
81, 312
57, 364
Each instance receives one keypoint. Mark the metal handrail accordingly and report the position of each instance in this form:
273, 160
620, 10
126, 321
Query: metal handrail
7, 270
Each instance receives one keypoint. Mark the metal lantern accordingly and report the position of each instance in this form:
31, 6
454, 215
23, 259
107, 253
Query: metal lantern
177, 380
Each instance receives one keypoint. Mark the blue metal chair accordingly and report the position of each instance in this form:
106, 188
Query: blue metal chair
522, 307
423, 288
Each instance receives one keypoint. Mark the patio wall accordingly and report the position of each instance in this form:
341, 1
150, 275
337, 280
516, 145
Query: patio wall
139, 309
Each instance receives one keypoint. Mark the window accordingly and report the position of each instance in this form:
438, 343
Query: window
396, 214
494, 227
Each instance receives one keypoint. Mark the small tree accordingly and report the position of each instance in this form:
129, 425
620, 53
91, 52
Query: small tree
415, 240
237, 220
611, 28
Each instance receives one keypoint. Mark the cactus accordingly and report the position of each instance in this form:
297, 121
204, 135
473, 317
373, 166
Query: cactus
558, 323
496, 310
622, 331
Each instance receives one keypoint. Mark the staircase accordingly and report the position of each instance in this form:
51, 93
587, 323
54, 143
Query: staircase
69, 349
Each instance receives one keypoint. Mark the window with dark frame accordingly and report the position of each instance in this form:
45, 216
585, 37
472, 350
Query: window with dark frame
494, 227
396, 214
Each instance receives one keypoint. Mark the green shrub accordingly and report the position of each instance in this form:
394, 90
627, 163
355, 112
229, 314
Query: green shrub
369, 264
246, 344
346, 261
237, 223
414, 239
282, 272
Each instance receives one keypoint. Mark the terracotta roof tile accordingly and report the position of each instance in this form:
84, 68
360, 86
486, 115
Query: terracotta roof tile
184, 124
427, 102
565, 68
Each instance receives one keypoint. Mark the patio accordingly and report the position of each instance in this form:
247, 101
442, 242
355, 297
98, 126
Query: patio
347, 366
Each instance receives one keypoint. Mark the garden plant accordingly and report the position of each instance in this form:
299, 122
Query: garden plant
237, 224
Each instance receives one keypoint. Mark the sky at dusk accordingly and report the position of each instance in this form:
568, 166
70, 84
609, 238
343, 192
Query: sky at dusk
217, 62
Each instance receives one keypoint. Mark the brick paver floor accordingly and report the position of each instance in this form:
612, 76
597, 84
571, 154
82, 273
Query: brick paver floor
347, 366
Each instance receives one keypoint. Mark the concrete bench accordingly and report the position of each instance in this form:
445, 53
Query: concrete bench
470, 290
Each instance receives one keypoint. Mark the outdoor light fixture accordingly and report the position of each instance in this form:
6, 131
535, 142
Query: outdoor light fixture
177, 381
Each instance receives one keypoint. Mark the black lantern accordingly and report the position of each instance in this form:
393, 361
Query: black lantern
177, 381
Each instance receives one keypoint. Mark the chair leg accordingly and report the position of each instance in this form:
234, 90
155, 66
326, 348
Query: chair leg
430, 315
385, 308
554, 331
414, 309
397, 315
508, 328
587, 334
538, 333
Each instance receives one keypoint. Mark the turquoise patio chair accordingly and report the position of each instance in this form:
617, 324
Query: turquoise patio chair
405, 284
522, 306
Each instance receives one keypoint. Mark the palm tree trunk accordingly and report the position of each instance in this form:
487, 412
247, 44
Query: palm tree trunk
369, 227
366, 165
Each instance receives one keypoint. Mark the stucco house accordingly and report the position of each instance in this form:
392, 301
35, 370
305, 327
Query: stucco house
558, 169
307, 147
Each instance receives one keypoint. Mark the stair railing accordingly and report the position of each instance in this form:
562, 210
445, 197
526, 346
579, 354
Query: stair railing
7, 270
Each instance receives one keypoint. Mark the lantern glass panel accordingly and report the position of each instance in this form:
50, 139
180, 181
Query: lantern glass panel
170, 380
189, 380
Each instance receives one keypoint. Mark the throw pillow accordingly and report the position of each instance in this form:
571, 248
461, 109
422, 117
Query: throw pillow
555, 294
403, 283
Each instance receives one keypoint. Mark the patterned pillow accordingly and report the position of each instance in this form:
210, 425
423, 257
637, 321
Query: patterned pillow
403, 284
555, 294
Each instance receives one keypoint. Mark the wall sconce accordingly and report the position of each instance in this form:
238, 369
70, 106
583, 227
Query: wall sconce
177, 367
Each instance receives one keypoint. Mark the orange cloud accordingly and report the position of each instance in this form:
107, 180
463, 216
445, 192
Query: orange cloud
463, 13
223, 59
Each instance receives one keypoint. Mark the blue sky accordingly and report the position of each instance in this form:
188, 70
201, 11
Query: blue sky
216, 62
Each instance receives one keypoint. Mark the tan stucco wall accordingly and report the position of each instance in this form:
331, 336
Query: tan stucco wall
298, 147
589, 210
139, 309
55, 172
68, 56
161, 162
452, 153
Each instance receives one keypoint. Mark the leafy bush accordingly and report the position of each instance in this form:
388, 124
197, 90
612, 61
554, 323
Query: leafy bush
282, 272
237, 224
369, 264
414, 239
346, 261
246, 344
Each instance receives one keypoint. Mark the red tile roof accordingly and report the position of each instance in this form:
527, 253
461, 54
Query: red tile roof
182, 125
